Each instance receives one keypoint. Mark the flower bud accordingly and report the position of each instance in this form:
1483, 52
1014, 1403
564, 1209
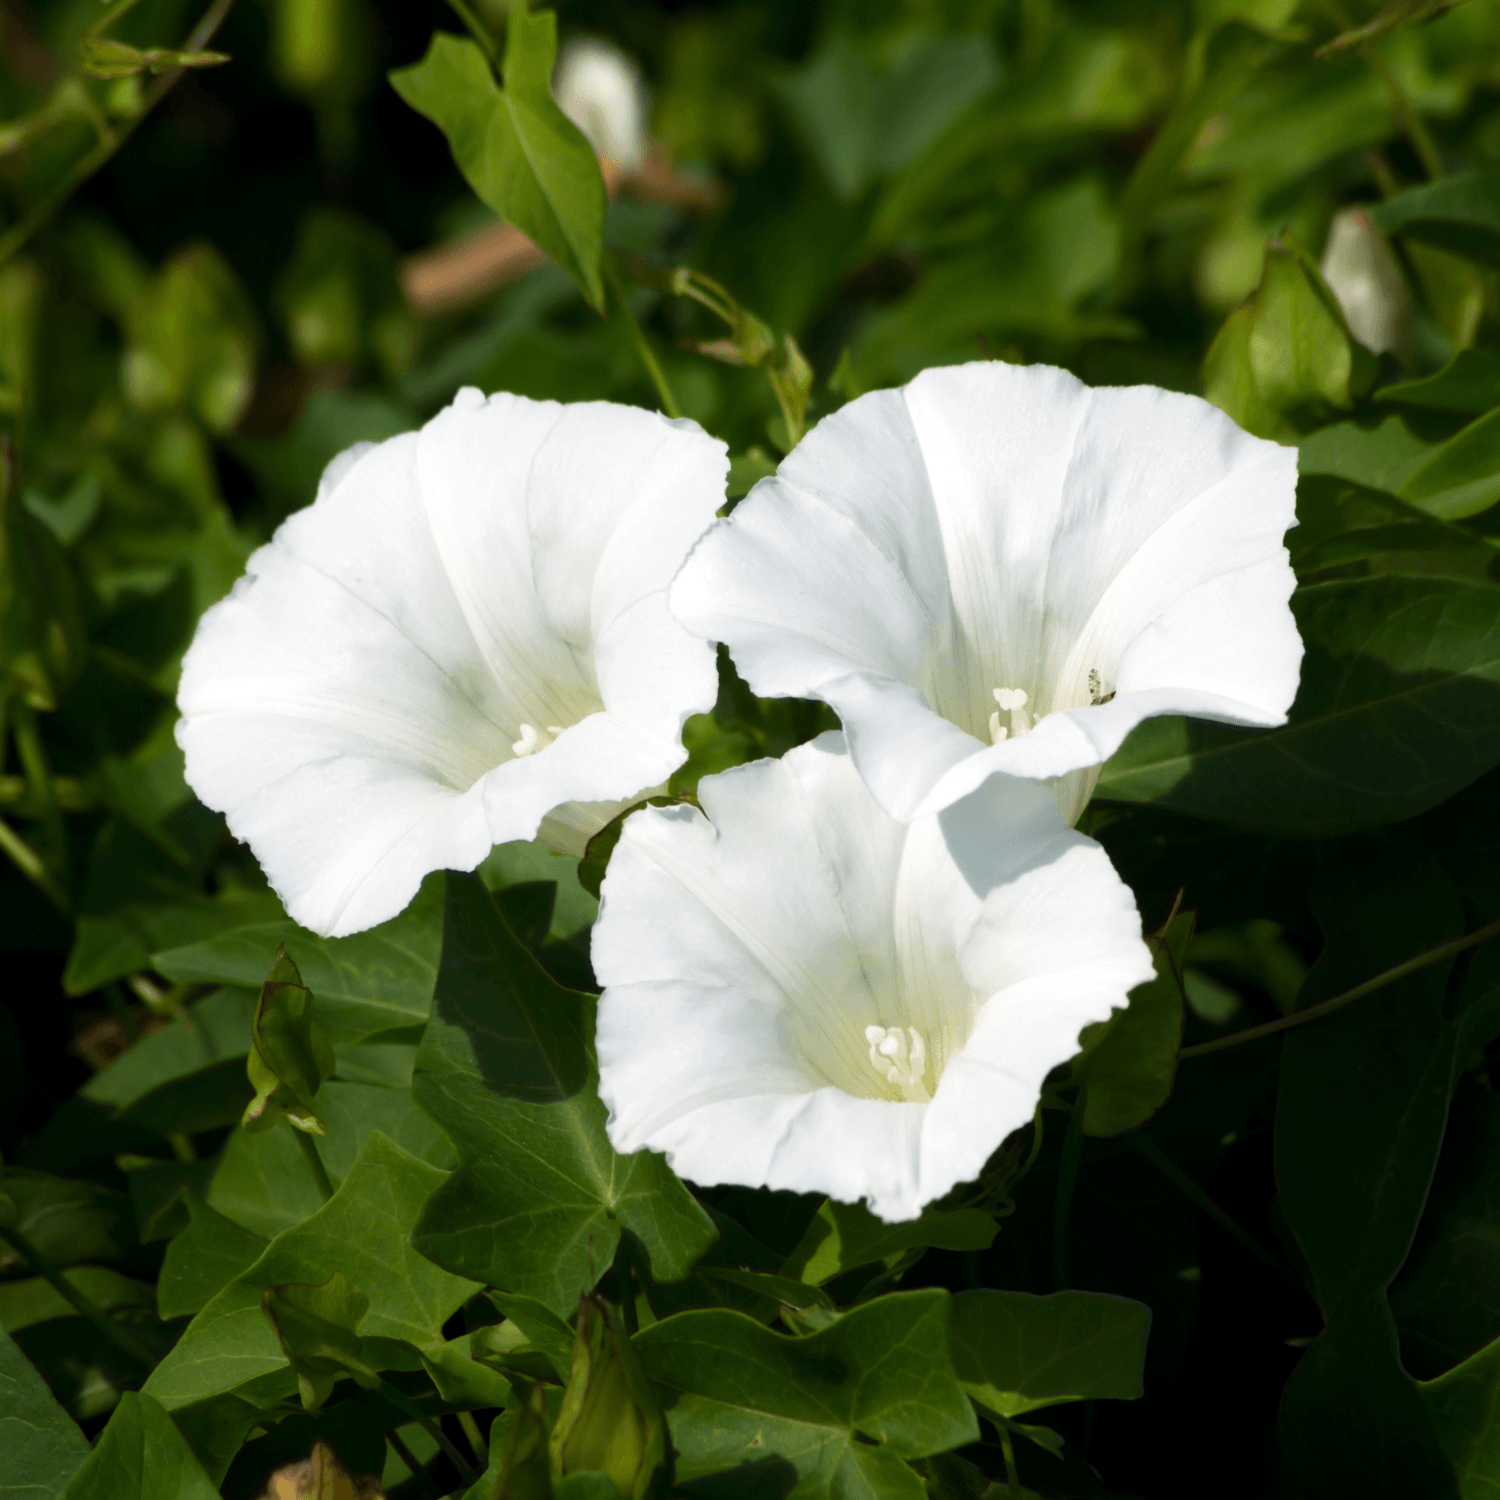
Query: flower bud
1368, 283
601, 91
611, 1420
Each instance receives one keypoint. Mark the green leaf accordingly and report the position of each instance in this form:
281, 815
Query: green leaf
193, 340
1230, 57
1446, 1299
1464, 1405
42, 642
69, 1221
540, 1198
541, 1326
141, 1456
863, 115
1015, 1352
203, 1259
39, 1445
290, 1058
1459, 213
363, 1231
515, 147
1359, 1118
32, 1299
1340, 524
843, 1407
1468, 383
1399, 707
318, 1327
1128, 1063
519, 863
845, 1235
262, 1182
213, 1030
1462, 477
372, 983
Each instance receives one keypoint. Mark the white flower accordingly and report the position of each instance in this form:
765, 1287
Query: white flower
600, 90
465, 638
803, 993
998, 569
1368, 283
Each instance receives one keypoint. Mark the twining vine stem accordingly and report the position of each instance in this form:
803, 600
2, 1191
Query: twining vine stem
1338, 1002
18, 234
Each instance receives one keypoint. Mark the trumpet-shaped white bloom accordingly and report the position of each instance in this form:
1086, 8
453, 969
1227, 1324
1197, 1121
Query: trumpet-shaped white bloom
463, 640
601, 91
801, 992
997, 568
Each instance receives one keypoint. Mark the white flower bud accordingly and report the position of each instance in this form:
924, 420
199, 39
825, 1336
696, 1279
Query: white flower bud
601, 91
1368, 283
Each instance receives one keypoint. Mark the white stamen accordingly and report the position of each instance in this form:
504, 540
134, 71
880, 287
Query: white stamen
899, 1055
530, 741
1012, 701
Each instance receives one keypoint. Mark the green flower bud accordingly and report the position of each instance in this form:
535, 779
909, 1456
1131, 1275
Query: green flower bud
611, 1420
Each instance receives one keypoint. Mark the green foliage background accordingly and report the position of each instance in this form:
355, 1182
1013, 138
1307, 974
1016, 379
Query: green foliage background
1236, 1255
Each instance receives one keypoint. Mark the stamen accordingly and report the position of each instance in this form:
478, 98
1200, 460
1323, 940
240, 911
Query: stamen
899, 1055
529, 742
533, 739
1012, 701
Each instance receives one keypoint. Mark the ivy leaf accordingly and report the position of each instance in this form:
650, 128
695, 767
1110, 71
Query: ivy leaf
141, 1456
203, 1259
541, 1197
1015, 1352
845, 1235
1359, 1119
842, 1408
1399, 707
262, 1182
1459, 213
518, 151
289, 1056
318, 1327
1129, 1062
40, 1447
364, 1231
1468, 383
1464, 1405
372, 984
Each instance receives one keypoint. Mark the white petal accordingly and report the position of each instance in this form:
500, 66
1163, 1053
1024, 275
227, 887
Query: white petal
1001, 529
747, 954
354, 705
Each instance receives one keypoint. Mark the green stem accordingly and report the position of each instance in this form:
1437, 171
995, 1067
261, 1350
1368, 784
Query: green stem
1195, 1194
1012, 1482
1067, 1178
404, 1404
480, 32
18, 234
314, 1160
476, 1441
33, 757
398, 1446
29, 862
648, 357
120, 1337
1338, 1002
1406, 112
